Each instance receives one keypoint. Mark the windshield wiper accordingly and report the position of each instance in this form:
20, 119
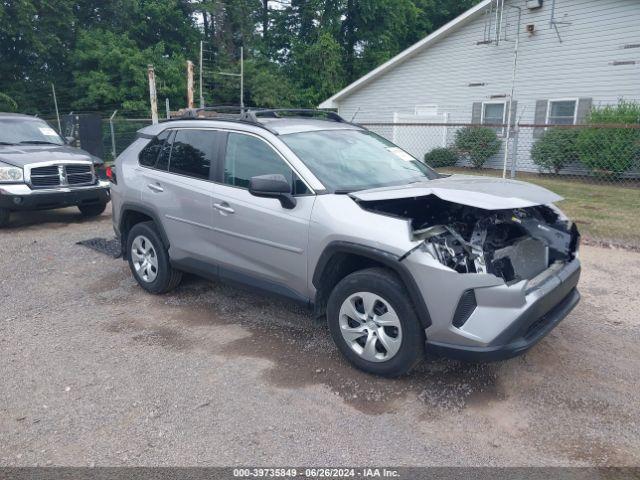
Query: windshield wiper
38, 142
6, 143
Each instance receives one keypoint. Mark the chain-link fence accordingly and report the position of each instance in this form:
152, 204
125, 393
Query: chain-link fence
593, 153
596, 168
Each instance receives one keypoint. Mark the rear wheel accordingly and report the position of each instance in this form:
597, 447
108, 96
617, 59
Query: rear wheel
373, 323
4, 217
92, 210
149, 260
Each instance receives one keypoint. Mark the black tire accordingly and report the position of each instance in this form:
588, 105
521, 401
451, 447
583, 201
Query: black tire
4, 217
383, 283
92, 210
167, 278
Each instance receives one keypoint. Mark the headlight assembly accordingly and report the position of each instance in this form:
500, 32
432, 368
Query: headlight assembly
10, 174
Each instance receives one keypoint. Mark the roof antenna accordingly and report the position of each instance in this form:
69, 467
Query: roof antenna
354, 115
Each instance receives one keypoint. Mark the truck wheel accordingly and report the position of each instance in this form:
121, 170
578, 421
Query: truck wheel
4, 217
149, 260
373, 323
92, 210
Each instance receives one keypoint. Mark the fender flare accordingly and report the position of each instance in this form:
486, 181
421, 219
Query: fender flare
129, 207
389, 260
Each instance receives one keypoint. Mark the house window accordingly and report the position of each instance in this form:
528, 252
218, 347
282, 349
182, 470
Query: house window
493, 114
562, 112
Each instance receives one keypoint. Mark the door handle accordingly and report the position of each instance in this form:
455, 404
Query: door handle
223, 207
155, 187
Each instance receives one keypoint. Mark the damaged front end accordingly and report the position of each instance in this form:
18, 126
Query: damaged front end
512, 244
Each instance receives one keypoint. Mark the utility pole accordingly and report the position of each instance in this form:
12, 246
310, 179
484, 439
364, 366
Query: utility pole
242, 79
55, 104
189, 84
113, 135
166, 104
200, 74
152, 94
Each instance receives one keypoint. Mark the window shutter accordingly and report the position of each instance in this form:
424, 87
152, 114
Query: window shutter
540, 117
476, 113
584, 108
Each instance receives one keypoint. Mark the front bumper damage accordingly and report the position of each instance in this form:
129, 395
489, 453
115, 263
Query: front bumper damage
504, 320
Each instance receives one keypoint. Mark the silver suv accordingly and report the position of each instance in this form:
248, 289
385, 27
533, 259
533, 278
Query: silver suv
304, 204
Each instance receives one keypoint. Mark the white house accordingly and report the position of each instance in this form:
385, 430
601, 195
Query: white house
571, 54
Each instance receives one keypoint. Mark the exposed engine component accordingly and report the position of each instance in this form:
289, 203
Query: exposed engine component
511, 244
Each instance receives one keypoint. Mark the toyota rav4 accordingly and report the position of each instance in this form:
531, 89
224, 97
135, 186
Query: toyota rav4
398, 258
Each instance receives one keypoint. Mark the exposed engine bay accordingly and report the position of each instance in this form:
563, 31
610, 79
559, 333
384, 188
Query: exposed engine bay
514, 244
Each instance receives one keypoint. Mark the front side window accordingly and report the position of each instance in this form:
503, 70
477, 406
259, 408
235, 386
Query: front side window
350, 160
562, 112
248, 156
28, 132
493, 114
193, 152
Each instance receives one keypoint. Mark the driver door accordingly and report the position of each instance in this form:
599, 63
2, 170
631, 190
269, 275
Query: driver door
260, 242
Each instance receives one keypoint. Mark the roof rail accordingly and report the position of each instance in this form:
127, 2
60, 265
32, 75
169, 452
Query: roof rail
296, 112
252, 116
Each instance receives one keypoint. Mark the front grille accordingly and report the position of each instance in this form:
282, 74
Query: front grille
62, 176
466, 306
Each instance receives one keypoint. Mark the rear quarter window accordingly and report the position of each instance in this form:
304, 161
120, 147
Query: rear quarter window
150, 154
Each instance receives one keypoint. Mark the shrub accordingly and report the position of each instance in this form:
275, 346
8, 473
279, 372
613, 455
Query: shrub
477, 143
611, 151
441, 157
555, 149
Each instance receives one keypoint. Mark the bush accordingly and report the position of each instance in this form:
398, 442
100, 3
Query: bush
441, 157
555, 149
477, 143
611, 151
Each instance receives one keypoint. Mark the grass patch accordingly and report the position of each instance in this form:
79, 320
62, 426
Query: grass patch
609, 213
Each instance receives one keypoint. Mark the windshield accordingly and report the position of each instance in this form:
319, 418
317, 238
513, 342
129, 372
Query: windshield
27, 132
350, 160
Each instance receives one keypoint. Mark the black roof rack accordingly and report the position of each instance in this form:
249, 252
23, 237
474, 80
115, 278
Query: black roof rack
252, 116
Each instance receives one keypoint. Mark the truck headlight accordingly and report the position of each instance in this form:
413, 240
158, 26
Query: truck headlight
10, 174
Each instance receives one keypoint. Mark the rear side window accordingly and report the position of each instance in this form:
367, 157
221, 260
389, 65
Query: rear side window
149, 155
193, 152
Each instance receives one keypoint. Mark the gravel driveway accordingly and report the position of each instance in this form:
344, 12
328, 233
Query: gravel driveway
96, 372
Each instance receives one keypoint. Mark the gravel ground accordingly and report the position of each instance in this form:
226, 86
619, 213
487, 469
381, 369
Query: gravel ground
97, 372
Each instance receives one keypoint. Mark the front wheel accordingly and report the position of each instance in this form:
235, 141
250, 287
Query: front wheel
92, 210
373, 323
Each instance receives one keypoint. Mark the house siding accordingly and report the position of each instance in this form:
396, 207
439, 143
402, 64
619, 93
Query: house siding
579, 66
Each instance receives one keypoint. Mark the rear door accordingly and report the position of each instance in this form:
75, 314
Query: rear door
180, 187
258, 240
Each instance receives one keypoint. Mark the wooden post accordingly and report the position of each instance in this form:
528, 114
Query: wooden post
152, 94
189, 84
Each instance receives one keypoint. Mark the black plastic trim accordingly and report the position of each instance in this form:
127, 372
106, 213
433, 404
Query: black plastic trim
216, 272
387, 259
129, 207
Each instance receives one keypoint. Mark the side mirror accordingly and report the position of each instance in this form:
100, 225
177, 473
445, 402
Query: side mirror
273, 186
69, 140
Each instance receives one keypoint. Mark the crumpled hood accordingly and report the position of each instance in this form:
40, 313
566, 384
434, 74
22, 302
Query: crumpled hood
481, 192
20, 155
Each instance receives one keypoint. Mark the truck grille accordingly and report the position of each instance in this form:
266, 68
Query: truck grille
62, 176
